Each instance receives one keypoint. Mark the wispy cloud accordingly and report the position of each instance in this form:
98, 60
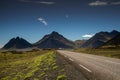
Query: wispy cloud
98, 3
115, 3
42, 20
103, 3
88, 35
39, 2
47, 3
25, 1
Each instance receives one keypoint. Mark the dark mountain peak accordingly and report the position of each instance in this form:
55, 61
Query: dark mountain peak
13, 39
54, 32
99, 39
17, 37
54, 40
114, 32
107, 34
17, 43
103, 33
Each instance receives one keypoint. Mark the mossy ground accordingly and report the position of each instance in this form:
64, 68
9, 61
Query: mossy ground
33, 65
37, 65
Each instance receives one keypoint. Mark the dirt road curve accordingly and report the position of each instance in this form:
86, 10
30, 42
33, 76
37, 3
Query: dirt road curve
94, 67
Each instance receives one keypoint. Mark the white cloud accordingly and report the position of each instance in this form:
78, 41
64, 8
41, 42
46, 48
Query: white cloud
115, 3
39, 2
88, 35
47, 3
103, 3
42, 20
98, 3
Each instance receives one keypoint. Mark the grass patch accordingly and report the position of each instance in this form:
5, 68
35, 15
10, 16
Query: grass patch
114, 53
32, 65
16, 66
61, 77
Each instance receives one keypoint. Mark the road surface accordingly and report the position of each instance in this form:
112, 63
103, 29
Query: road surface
94, 67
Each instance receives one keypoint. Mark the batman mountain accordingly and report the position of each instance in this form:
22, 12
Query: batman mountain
54, 40
99, 39
17, 43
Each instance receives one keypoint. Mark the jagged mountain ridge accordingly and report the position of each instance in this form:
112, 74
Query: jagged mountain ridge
56, 40
99, 39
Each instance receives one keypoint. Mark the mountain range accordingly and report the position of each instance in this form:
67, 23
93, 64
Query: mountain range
53, 40
99, 39
113, 43
56, 41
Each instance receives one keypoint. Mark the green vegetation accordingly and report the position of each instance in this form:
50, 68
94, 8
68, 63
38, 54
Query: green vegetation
115, 53
32, 65
61, 77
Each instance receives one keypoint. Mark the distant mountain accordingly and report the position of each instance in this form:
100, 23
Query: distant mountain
78, 43
17, 43
54, 40
113, 43
99, 39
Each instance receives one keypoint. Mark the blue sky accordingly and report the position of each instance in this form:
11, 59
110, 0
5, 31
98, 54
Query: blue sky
32, 19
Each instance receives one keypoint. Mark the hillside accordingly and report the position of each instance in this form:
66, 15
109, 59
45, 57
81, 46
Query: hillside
17, 43
99, 39
113, 43
54, 40
78, 43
